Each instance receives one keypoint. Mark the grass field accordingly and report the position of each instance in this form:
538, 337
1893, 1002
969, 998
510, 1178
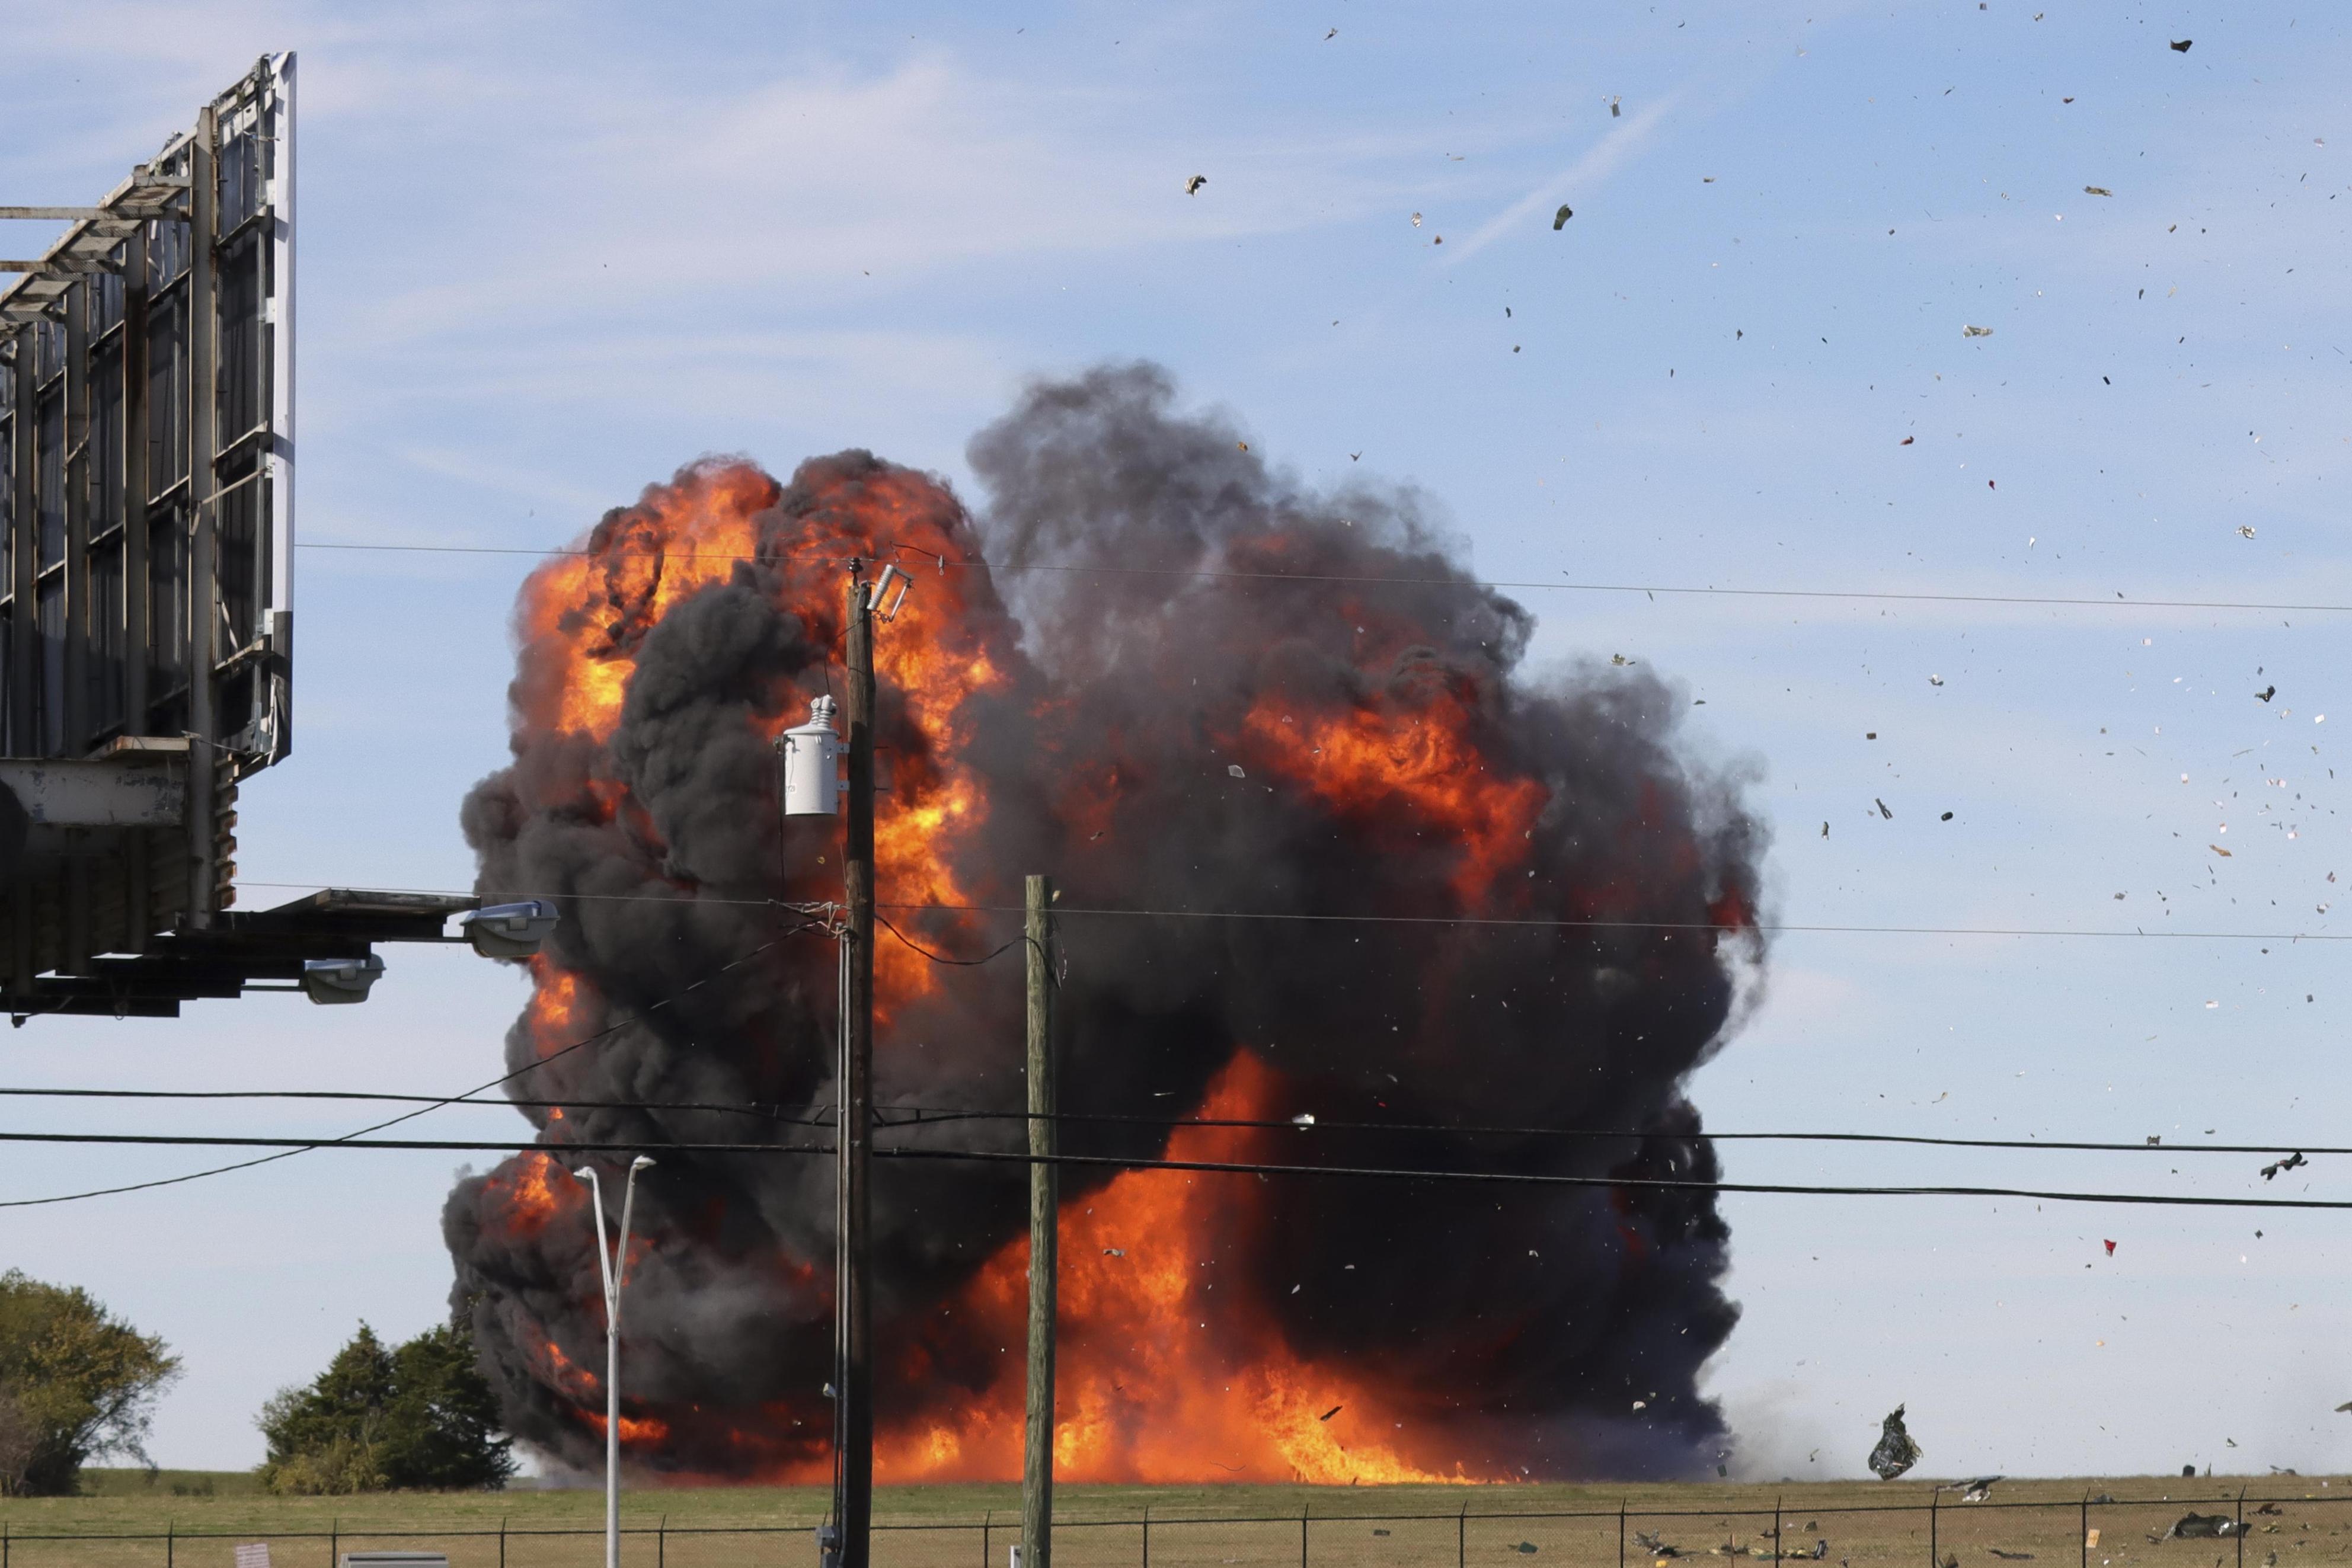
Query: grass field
195, 1520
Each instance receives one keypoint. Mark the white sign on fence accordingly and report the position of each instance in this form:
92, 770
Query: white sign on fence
253, 1554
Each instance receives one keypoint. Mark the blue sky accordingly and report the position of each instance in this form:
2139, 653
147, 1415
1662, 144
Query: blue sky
549, 254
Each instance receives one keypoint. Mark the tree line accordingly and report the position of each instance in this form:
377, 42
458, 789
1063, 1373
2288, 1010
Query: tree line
78, 1383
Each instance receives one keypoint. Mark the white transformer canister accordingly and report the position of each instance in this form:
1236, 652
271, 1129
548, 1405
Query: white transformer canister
811, 755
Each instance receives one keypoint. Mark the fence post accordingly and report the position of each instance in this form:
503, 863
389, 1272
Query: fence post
334, 1540
1621, 1533
986, 1519
1302, 1535
1462, 1536
1777, 1553
661, 1543
2086, 1529
2240, 1531
502, 1543
170, 1545
1934, 1501
1147, 1537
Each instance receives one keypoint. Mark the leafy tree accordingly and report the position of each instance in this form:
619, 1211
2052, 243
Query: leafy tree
420, 1415
77, 1383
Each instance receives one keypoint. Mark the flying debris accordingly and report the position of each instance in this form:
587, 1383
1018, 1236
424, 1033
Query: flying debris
2111, 1246
1976, 331
2180, 45
1612, 107
1560, 219
1894, 1452
2096, 191
2292, 1161
1193, 187
2266, 694
1331, 1411
2245, 531
1235, 769
1976, 1490
1882, 809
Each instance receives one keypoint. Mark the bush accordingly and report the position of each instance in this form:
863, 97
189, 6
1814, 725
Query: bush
422, 1416
75, 1383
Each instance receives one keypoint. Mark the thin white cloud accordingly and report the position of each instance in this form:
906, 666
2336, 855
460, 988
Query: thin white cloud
1622, 144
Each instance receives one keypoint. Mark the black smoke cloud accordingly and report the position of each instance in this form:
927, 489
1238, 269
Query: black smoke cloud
1156, 586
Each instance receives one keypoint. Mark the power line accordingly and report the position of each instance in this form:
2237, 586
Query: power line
929, 1115
1503, 921
767, 1112
392, 1122
1354, 580
934, 1115
1233, 1167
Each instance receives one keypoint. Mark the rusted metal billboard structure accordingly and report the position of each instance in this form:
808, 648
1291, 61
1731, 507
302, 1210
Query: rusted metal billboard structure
147, 461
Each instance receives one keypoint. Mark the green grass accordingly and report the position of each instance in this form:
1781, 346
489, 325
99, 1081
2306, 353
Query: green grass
207, 1512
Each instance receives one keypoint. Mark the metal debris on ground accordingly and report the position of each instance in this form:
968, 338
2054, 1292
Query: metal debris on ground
1560, 219
2288, 1163
1895, 1452
1525, 1548
1976, 331
2202, 1527
2010, 1556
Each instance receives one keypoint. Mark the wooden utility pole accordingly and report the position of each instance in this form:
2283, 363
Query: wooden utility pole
1045, 1237
853, 1299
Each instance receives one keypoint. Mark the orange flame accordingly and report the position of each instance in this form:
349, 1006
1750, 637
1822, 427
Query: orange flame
1160, 1378
1411, 776
524, 1195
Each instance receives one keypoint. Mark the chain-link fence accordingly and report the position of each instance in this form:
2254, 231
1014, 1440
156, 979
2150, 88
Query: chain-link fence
2092, 1531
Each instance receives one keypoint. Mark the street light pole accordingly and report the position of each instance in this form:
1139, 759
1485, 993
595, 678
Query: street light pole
611, 1266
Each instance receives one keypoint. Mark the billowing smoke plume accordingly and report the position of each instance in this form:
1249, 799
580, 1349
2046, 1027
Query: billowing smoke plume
1191, 687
